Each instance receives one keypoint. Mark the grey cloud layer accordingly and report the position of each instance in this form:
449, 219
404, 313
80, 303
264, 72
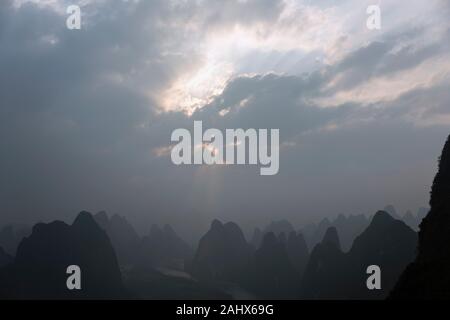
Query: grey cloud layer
80, 121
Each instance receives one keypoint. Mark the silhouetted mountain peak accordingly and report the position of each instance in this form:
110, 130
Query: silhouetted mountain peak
235, 232
324, 222
321, 278
422, 213
168, 230
216, 225
232, 227
332, 237
408, 214
221, 253
117, 219
279, 226
55, 226
84, 221
270, 273
39, 269
381, 218
332, 274
349, 227
384, 233
341, 218
124, 237
391, 210
102, 219
411, 220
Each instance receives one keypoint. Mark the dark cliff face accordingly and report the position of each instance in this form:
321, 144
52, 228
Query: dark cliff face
39, 269
428, 277
435, 227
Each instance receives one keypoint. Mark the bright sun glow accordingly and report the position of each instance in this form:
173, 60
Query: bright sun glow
195, 89
222, 52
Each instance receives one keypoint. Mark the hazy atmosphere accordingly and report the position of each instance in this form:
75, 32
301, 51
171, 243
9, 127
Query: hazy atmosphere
86, 115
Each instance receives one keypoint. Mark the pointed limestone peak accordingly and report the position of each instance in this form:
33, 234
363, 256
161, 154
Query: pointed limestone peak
331, 237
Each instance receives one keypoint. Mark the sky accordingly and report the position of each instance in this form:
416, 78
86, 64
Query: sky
86, 115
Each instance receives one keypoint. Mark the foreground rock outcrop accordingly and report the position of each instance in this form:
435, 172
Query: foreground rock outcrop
428, 277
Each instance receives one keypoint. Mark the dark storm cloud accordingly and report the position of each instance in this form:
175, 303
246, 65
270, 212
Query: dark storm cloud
271, 101
74, 107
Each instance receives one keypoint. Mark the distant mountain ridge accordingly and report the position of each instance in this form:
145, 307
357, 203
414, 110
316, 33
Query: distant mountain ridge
162, 247
331, 274
123, 236
11, 235
348, 228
